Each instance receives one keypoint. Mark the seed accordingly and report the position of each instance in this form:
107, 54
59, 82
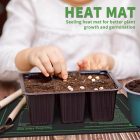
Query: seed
97, 77
64, 80
89, 77
101, 88
70, 88
93, 80
82, 87
95, 88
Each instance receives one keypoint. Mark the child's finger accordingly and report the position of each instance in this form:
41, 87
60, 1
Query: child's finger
96, 62
86, 64
103, 63
64, 73
83, 64
80, 66
79, 63
46, 63
55, 62
41, 67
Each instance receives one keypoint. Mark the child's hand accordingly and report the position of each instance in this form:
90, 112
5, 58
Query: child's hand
48, 59
96, 61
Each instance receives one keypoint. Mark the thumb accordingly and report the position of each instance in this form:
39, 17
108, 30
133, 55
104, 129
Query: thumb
83, 65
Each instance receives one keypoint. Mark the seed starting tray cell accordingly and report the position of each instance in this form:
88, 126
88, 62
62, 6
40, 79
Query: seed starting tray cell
22, 127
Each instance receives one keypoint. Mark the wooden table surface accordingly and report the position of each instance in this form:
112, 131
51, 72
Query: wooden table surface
8, 88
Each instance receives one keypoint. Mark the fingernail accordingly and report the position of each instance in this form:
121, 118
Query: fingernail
65, 76
47, 75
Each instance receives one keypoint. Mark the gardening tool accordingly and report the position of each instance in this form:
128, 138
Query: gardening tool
9, 121
10, 98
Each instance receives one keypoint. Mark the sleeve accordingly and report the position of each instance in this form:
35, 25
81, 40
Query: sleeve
125, 49
17, 35
126, 52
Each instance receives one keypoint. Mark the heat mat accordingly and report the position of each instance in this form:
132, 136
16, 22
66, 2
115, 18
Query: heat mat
22, 127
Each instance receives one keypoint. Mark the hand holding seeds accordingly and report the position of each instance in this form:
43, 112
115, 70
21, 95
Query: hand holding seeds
96, 61
48, 59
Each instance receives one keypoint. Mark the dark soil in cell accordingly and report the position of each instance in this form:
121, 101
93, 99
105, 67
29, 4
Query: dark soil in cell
134, 86
75, 80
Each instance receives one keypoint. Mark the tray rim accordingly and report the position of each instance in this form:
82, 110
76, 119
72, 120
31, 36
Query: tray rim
108, 73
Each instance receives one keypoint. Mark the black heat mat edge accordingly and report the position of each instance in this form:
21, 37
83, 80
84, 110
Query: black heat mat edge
22, 127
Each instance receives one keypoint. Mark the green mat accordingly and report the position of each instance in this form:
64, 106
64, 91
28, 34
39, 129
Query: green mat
23, 128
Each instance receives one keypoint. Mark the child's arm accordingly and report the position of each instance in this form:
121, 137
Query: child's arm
16, 43
17, 34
